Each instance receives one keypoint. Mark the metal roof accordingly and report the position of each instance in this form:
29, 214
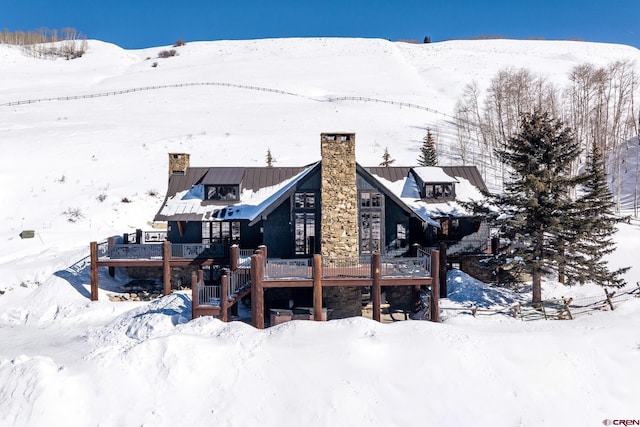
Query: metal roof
470, 173
390, 173
223, 176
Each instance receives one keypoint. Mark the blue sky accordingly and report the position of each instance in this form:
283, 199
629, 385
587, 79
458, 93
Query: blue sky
150, 23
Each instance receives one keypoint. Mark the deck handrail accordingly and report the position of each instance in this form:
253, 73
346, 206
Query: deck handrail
278, 268
406, 267
129, 251
237, 280
208, 294
359, 267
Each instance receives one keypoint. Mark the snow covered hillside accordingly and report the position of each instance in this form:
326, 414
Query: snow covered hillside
88, 159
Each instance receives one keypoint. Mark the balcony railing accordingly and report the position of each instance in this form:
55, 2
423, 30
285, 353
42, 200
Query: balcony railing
276, 268
208, 294
129, 251
406, 267
238, 280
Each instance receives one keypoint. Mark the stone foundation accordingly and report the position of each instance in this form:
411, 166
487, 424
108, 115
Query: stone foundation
343, 302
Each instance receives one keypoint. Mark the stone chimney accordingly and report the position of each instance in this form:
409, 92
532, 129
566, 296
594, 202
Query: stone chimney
339, 223
339, 196
178, 163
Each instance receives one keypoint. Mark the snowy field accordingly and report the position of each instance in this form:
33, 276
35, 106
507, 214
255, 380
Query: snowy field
70, 164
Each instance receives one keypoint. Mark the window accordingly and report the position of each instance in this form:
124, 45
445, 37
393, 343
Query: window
222, 192
304, 222
370, 232
304, 231
370, 222
370, 200
401, 235
438, 191
227, 232
304, 201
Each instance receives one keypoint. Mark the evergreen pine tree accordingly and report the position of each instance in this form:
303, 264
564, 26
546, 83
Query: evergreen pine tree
270, 159
591, 237
428, 154
535, 205
386, 158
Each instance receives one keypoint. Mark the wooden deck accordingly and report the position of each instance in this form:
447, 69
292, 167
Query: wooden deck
264, 273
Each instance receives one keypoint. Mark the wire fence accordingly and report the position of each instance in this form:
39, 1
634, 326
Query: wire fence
558, 308
230, 85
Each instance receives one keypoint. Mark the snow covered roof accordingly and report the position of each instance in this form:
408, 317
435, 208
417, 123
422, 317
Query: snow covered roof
259, 189
467, 180
433, 174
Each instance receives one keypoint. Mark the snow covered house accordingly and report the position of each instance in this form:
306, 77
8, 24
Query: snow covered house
334, 206
308, 236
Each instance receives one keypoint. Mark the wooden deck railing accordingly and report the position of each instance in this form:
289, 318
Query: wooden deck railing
347, 268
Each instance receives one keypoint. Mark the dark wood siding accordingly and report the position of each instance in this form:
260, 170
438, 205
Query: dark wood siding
277, 232
191, 232
394, 215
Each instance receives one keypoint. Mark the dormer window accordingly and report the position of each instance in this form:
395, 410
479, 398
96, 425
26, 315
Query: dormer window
439, 191
222, 192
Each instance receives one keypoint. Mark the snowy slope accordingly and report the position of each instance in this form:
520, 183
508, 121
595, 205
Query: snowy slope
69, 164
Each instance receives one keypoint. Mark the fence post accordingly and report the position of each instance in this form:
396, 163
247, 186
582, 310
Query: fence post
376, 292
166, 267
609, 296
94, 270
224, 298
435, 286
566, 303
317, 287
194, 294
257, 293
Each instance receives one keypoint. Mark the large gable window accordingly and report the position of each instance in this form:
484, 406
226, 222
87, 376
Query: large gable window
222, 192
370, 222
304, 222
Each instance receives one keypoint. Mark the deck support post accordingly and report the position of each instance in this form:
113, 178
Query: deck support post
112, 242
317, 287
376, 291
443, 270
194, 294
93, 247
435, 286
263, 251
224, 297
234, 257
166, 267
257, 292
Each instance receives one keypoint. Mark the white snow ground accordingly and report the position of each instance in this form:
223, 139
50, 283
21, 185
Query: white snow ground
67, 361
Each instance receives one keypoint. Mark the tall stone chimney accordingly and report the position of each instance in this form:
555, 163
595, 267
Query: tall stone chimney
339, 223
178, 163
339, 196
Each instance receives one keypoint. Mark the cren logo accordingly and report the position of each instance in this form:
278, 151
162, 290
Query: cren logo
608, 422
